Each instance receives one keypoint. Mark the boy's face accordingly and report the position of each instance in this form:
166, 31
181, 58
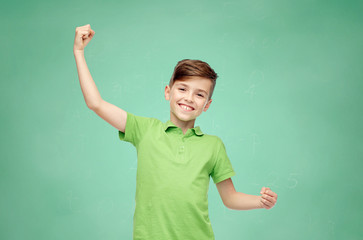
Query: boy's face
188, 99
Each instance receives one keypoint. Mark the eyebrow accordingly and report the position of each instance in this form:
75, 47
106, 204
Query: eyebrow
183, 84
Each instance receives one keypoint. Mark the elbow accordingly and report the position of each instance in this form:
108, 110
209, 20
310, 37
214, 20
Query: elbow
229, 201
230, 205
93, 106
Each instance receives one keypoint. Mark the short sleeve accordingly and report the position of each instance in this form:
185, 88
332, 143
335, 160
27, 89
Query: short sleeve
222, 169
135, 128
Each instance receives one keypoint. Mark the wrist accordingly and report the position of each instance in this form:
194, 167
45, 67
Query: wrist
78, 52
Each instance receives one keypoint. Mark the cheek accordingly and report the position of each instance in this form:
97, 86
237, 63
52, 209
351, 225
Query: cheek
204, 103
201, 105
174, 95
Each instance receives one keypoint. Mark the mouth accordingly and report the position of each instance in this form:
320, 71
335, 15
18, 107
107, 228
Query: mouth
186, 107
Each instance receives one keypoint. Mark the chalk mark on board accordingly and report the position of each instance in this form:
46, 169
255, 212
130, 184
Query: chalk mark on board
331, 226
275, 176
292, 179
254, 143
71, 199
254, 80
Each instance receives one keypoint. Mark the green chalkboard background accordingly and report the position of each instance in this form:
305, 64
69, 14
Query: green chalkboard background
288, 105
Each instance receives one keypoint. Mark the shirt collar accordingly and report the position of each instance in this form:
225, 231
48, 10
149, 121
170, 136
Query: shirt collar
169, 123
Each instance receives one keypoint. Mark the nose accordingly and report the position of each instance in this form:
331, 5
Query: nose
188, 96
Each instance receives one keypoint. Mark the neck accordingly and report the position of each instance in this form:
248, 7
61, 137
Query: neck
184, 125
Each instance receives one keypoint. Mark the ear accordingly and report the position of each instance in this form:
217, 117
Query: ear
167, 92
207, 105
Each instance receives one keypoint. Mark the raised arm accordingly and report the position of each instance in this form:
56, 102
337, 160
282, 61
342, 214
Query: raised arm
107, 111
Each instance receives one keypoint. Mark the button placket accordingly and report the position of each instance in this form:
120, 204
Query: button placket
181, 151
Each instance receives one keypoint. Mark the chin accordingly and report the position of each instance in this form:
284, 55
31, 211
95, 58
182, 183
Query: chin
185, 119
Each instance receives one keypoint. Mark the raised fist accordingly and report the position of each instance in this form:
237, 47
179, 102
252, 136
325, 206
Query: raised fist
84, 35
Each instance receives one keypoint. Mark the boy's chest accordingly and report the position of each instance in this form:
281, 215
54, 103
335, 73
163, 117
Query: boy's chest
172, 153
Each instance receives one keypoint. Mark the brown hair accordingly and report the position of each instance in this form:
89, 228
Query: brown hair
188, 67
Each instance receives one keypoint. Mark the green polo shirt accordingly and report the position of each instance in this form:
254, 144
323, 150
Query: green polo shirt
172, 179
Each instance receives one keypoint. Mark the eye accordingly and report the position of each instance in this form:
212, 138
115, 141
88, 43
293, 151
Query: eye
200, 95
182, 89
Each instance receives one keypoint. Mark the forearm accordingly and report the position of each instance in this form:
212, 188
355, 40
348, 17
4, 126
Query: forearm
89, 89
242, 201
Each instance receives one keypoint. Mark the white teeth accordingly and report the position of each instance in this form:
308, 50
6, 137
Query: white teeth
185, 107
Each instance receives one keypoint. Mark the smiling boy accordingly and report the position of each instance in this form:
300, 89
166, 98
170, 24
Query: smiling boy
175, 159
189, 97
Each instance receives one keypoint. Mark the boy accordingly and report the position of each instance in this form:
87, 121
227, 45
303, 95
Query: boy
175, 159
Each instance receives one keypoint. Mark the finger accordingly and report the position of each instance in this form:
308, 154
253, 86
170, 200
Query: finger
269, 198
265, 196
271, 193
85, 27
274, 195
86, 35
262, 190
262, 201
267, 203
83, 33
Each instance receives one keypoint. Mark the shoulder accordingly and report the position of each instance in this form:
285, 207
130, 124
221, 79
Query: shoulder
213, 139
137, 127
142, 119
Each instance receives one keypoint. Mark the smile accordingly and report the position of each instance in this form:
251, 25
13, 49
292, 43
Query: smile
186, 108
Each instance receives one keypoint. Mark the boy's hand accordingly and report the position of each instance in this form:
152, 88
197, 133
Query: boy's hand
268, 198
84, 35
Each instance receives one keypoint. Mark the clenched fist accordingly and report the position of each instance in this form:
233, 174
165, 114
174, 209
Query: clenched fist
84, 35
268, 198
